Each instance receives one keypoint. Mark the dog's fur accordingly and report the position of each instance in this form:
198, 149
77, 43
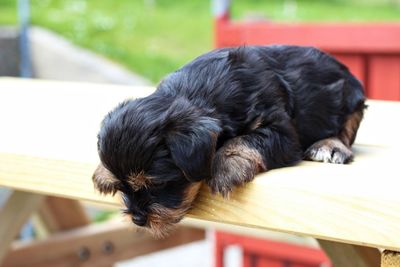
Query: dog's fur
223, 118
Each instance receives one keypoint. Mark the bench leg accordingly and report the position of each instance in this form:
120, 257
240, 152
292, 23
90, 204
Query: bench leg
344, 255
14, 214
60, 214
390, 258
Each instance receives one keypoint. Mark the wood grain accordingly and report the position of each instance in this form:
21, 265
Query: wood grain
49, 147
49, 177
327, 202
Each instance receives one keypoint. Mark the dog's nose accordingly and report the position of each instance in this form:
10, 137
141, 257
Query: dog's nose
139, 220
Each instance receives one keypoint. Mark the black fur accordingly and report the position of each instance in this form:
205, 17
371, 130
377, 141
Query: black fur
278, 99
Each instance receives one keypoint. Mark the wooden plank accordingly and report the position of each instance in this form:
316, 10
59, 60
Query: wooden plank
14, 215
62, 214
343, 255
73, 178
95, 245
63, 120
323, 206
390, 258
269, 202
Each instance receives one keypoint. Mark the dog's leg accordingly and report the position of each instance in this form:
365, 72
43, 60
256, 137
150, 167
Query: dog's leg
241, 158
337, 149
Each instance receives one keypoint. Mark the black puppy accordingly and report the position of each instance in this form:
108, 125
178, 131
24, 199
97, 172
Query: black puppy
223, 118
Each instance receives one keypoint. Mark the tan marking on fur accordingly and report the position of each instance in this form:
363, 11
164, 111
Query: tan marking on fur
162, 220
240, 149
191, 194
256, 124
234, 165
138, 181
104, 180
349, 131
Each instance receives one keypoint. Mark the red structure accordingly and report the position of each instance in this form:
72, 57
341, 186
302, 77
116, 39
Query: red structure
264, 253
371, 51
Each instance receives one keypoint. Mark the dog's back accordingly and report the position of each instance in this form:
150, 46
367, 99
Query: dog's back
322, 92
239, 84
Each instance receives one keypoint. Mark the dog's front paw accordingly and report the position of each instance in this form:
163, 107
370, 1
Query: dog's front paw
330, 150
231, 169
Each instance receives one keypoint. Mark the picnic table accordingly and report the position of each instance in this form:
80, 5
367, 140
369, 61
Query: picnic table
48, 148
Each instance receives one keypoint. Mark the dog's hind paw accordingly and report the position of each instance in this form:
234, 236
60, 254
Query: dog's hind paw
330, 150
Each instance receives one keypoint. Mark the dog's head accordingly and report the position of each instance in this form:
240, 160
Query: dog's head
156, 154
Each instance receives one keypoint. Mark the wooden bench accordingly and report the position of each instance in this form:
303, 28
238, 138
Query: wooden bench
48, 148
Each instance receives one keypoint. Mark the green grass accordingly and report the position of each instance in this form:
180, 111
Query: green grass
8, 14
151, 39
321, 10
154, 37
102, 216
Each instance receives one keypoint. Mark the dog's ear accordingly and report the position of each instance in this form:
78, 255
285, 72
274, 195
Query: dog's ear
105, 181
191, 138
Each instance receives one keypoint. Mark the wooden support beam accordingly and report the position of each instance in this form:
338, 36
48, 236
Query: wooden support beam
390, 258
344, 255
59, 214
94, 245
14, 214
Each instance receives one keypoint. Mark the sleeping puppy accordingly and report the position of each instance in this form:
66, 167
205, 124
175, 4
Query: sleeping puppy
221, 119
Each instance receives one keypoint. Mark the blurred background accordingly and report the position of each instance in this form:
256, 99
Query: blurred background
155, 37
137, 42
